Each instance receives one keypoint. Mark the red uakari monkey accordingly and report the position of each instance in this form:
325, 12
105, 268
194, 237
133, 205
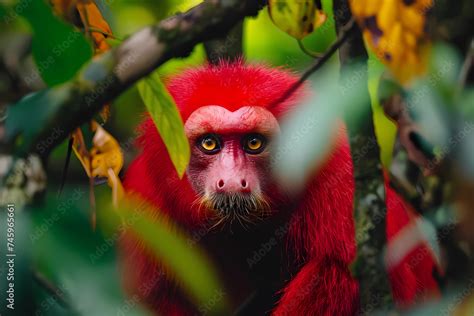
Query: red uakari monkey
276, 253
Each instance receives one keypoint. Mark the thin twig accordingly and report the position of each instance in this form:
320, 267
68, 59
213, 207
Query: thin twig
466, 67
97, 30
52, 289
343, 36
66, 165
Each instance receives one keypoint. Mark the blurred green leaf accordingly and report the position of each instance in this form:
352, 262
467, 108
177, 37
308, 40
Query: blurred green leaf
466, 151
79, 262
431, 115
32, 113
385, 129
190, 265
58, 49
3, 11
22, 277
457, 299
443, 70
420, 231
309, 132
266, 43
164, 113
431, 101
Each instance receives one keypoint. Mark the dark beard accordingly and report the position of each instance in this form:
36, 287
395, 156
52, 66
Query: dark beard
247, 209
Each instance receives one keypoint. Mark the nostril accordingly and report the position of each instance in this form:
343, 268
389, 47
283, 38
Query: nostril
220, 184
244, 183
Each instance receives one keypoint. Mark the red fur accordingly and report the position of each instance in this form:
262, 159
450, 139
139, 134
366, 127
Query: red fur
321, 232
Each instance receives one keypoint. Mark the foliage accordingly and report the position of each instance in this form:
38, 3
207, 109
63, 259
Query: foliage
395, 30
312, 127
172, 247
297, 18
164, 113
425, 71
56, 45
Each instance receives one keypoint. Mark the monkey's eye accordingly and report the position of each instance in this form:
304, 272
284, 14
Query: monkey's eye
209, 144
254, 143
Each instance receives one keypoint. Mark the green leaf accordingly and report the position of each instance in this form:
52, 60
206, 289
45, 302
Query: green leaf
170, 246
80, 263
58, 49
3, 11
295, 17
30, 115
308, 132
22, 261
167, 119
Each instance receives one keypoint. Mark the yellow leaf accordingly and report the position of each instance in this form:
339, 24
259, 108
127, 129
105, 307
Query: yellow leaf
388, 14
117, 188
413, 21
396, 43
105, 112
105, 153
64, 8
94, 23
298, 18
104, 160
371, 7
81, 151
359, 9
319, 18
107, 160
91, 20
394, 30
410, 40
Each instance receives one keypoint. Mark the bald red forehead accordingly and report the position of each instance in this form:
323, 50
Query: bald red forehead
232, 86
219, 120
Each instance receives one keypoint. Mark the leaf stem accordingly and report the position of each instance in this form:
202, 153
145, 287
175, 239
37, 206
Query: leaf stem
307, 51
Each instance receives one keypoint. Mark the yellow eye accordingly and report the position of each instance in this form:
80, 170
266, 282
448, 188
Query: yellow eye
210, 144
254, 143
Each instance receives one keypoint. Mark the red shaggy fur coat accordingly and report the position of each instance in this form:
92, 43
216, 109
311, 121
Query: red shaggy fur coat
305, 272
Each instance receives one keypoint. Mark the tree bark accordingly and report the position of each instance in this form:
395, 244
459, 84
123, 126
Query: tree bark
369, 199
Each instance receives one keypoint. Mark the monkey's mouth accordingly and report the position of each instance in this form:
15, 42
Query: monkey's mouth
229, 207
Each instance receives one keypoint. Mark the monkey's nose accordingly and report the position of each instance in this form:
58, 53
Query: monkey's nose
220, 184
232, 185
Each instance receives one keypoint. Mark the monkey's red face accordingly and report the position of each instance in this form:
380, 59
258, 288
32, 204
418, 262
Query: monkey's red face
230, 167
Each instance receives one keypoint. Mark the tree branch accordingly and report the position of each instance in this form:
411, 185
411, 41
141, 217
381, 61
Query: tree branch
369, 199
466, 68
69, 105
54, 291
226, 48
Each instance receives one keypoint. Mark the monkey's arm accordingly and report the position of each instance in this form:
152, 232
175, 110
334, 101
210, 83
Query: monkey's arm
321, 236
147, 282
323, 287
